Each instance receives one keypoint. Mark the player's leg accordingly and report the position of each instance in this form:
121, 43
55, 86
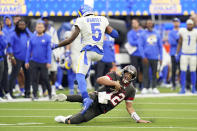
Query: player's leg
45, 77
34, 77
173, 61
192, 65
71, 78
91, 113
59, 77
145, 79
183, 66
84, 63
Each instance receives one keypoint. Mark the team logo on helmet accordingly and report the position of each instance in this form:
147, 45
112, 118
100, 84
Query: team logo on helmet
85, 10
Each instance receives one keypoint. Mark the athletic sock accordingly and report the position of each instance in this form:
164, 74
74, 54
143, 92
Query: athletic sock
82, 85
183, 78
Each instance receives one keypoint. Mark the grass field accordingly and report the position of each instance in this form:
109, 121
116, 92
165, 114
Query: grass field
167, 113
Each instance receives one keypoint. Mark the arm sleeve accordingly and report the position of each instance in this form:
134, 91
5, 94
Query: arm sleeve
79, 23
160, 48
3, 42
141, 45
49, 51
131, 95
28, 52
11, 42
131, 40
111, 75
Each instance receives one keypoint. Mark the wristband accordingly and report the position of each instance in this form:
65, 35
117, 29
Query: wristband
135, 116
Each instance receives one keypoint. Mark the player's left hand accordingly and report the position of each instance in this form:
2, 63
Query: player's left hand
143, 121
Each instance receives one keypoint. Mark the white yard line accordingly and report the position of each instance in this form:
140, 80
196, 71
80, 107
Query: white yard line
194, 118
145, 110
162, 95
119, 127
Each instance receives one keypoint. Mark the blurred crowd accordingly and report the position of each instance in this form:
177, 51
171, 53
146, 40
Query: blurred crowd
29, 68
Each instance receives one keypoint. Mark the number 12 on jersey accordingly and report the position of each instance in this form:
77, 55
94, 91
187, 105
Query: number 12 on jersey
96, 31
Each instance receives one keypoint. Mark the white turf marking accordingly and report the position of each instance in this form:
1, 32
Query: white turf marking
96, 118
162, 95
22, 124
145, 110
123, 127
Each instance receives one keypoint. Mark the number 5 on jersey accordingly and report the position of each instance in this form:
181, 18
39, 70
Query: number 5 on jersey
96, 32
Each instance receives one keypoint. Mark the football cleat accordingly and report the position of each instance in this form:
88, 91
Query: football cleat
87, 102
144, 91
182, 92
61, 119
59, 97
155, 91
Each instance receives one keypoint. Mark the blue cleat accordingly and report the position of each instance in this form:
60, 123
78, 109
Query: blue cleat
87, 102
182, 92
194, 90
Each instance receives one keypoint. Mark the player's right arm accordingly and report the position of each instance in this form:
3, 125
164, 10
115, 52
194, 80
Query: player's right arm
112, 32
106, 81
179, 44
134, 115
69, 40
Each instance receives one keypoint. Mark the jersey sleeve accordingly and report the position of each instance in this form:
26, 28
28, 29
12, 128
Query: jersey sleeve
106, 21
131, 95
111, 75
79, 23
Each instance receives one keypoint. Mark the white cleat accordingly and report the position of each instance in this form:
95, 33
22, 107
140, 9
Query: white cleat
61, 119
156, 91
8, 97
144, 91
2, 100
59, 97
150, 91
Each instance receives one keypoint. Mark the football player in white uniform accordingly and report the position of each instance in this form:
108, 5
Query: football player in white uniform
188, 46
92, 29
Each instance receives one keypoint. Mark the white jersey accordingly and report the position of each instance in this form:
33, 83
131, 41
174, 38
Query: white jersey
92, 29
189, 43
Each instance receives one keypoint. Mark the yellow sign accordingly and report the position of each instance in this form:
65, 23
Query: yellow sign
12, 7
165, 7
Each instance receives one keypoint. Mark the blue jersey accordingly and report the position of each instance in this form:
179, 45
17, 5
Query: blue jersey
39, 49
150, 45
108, 47
133, 39
173, 38
3, 44
19, 45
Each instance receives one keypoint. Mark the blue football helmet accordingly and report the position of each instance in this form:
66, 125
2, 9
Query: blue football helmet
85, 10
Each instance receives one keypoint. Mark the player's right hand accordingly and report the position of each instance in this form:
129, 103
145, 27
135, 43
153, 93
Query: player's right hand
54, 46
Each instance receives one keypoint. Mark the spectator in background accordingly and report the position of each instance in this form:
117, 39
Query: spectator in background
38, 57
51, 31
150, 46
187, 45
133, 39
173, 38
108, 61
8, 29
19, 40
3, 45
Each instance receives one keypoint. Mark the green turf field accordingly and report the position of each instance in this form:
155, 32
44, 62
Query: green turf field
167, 113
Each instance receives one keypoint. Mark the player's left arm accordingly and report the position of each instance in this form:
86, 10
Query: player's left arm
112, 32
69, 40
134, 115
